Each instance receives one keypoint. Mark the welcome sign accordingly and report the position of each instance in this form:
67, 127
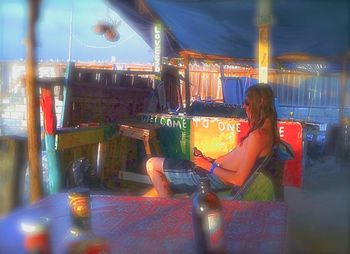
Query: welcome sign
215, 136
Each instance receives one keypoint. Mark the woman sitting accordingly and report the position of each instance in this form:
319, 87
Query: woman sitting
232, 169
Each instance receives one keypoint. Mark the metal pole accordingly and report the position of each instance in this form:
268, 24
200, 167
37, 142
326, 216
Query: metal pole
33, 119
70, 33
342, 90
2, 66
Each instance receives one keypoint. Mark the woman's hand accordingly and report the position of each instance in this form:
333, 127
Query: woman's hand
202, 163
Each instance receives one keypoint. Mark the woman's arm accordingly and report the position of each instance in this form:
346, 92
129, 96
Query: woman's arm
248, 153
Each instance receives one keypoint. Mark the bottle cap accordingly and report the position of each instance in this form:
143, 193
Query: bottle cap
35, 225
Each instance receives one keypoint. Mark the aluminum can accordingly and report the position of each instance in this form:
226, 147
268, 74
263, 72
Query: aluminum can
36, 235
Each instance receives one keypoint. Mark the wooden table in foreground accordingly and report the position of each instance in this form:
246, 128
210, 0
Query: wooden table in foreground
154, 225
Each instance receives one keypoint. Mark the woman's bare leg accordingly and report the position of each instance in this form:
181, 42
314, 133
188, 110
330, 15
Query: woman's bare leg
155, 171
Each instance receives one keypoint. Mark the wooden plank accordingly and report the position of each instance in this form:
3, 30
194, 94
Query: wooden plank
53, 164
187, 82
112, 158
77, 152
67, 107
263, 56
48, 108
130, 176
79, 137
264, 53
144, 132
134, 132
101, 157
50, 82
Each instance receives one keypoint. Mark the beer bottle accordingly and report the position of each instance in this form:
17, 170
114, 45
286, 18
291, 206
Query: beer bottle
81, 239
79, 205
207, 219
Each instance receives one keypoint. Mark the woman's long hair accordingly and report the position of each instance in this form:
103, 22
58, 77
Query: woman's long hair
261, 100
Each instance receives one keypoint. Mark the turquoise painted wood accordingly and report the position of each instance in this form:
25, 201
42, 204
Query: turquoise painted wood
53, 164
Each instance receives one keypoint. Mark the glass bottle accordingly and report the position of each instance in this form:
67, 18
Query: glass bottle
81, 239
207, 219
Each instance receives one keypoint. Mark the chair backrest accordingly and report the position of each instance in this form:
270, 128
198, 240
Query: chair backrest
259, 185
266, 181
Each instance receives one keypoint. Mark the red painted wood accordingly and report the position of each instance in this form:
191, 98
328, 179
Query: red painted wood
47, 105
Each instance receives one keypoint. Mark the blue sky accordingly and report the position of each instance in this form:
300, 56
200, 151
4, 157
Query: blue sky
53, 32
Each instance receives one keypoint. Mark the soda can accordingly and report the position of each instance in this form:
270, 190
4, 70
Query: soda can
36, 235
79, 205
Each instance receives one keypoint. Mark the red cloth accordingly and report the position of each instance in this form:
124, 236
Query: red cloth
47, 105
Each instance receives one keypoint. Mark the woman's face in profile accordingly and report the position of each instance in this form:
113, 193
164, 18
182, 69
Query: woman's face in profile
246, 106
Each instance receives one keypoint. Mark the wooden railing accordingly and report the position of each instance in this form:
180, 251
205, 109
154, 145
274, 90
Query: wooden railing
99, 96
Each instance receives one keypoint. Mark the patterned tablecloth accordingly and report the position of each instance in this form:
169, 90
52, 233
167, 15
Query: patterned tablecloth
154, 225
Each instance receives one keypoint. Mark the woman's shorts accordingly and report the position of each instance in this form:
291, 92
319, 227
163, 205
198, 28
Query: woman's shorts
184, 177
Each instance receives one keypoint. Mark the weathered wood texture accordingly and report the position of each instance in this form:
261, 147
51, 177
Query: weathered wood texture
33, 119
79, 137
69, 155
104, 96
50, 125
13, 162
113, 159
109, 148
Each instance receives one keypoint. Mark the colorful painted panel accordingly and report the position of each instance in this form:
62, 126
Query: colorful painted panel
215, 136
174, 136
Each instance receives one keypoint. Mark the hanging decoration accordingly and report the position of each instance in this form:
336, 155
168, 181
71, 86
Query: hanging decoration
109, 29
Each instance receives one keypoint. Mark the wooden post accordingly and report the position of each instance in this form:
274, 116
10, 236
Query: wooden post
187, 82
67, 107
102, 153
342, 90
264, 20
4, 82
33, 119
340, 152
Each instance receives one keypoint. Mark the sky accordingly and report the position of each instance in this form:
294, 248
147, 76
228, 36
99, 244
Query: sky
54, 30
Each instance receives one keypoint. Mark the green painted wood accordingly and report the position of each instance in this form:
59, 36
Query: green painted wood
65, 117
110, 131
73, 137
173, 136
